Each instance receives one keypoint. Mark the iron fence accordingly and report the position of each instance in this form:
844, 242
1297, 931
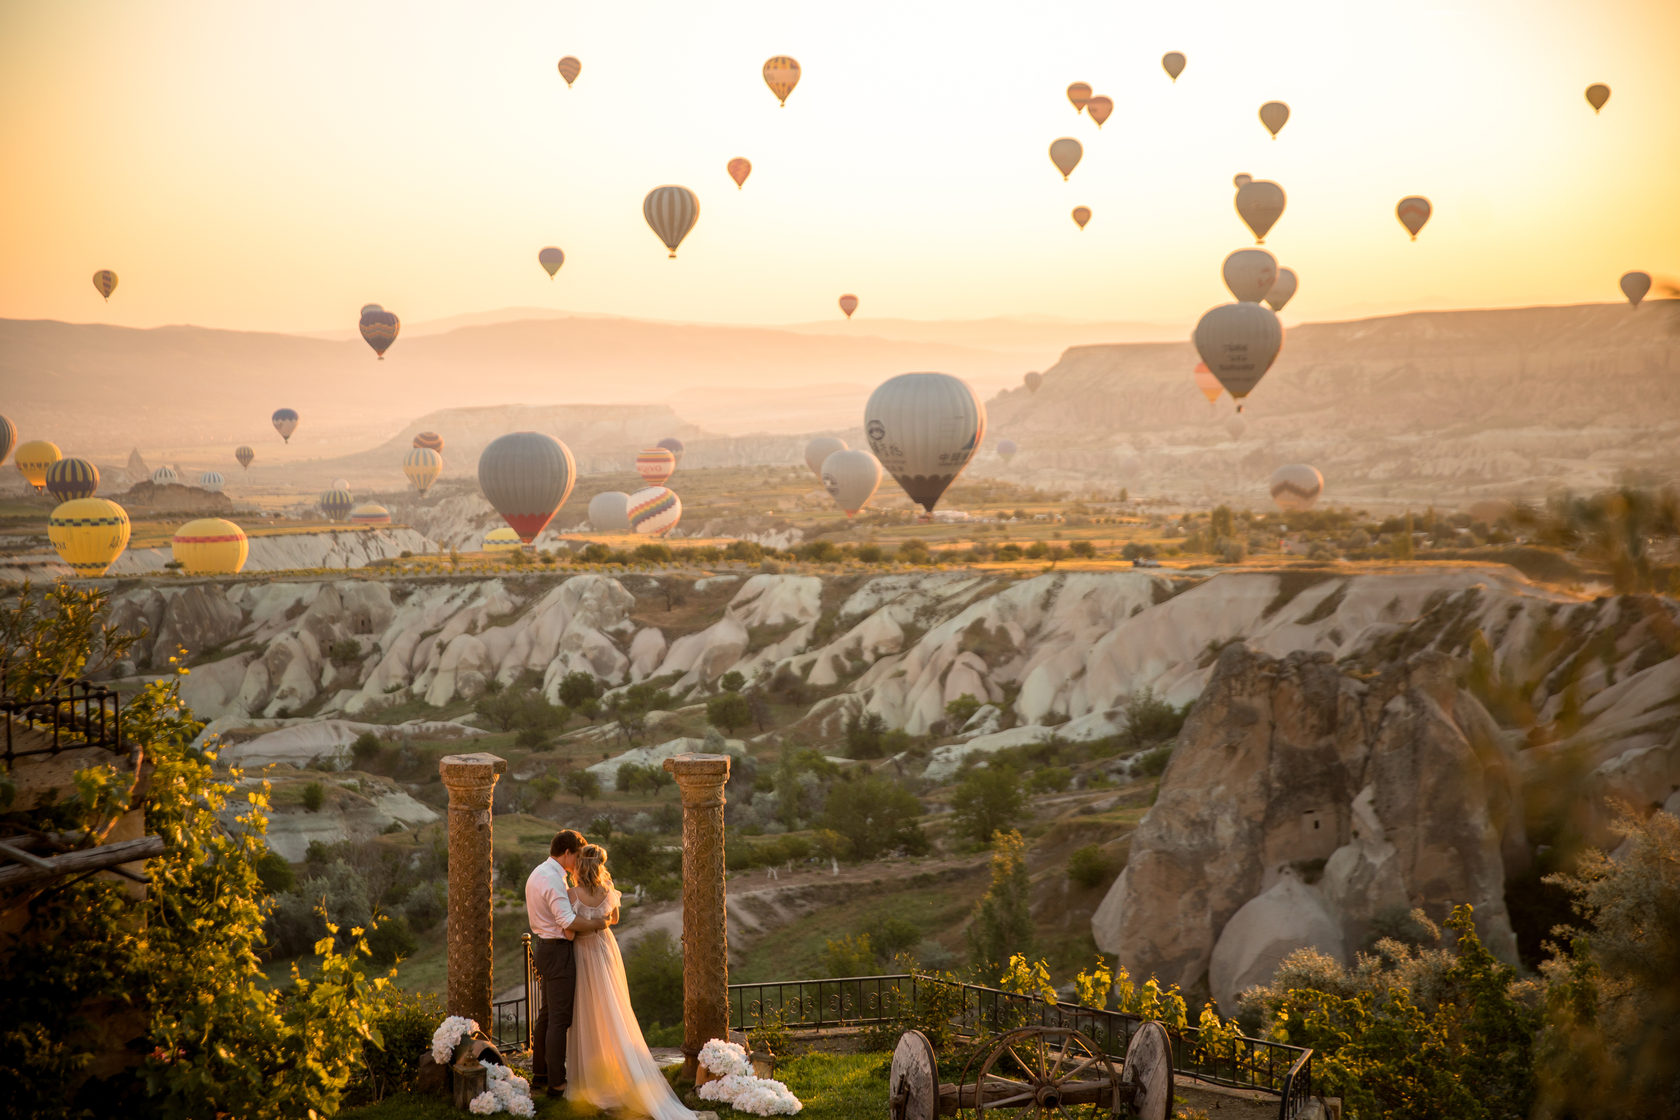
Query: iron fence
512, 1020
83, 716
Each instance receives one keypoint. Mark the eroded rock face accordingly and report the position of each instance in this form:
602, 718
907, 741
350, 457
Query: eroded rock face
1381, 793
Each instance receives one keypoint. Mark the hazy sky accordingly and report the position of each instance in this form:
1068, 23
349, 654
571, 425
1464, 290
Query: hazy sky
275, 165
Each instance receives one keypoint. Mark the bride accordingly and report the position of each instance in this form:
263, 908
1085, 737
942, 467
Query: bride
608, 1059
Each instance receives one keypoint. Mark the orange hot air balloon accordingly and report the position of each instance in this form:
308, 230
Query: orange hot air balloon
570, 68
1413, 212
1173, 63
848, 304
1100, 108
1079, 94
739, 169
1081, 215
781, 74
1597, 94
1208, 383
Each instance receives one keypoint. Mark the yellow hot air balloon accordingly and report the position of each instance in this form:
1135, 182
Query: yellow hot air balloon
1065, 153
1079, 95
1597, 94
106, 282
1274, 115
739, 168
1413, 212
33, 459
1173, 63
1081, 215
88, 534
671, 212
422, 465
781, 74
570, 68
211, 546
501, 540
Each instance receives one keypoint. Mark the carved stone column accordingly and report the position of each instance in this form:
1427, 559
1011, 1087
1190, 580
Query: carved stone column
471, 780
700, 777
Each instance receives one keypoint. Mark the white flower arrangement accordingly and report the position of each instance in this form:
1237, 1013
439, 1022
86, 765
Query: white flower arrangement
448, 1036
737, 1087
507, 1092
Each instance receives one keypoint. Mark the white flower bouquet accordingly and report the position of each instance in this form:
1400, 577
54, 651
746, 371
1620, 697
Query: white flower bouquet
507, 1092
449, 1035
737, 1087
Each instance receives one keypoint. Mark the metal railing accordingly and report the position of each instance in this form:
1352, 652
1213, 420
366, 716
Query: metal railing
83, 716
513, 1020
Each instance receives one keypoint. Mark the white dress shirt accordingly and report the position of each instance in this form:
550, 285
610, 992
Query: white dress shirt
546, 905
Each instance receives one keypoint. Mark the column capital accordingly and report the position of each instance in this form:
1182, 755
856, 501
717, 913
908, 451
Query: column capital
471, 774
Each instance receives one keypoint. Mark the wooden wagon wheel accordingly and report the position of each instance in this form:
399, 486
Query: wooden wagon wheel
1148, 1070
913, 1085
1044, 1072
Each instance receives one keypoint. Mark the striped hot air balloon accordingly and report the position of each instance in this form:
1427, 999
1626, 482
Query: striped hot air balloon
245, 455
570, 68
211, 546
501, 540
819, 449
422, 465
105, 282
609, 512
655, 511
655, 465
924, 428
527, 477
370, 513
72, 478
739, 169
379, 329
671, 212
211, 481
285, 422
336, 502
1296, 487
33, 458
8, 437
781, 74
88, 534
431, 440
165, 476
1079, 95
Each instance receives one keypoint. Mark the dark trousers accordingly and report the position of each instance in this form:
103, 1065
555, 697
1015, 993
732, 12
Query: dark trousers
558, 971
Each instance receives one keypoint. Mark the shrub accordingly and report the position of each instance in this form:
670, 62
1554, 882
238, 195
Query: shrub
988, 800
275, 873
344, 651
582, 784
961, 710
728, 711
1083, 549
1150, 719
365, 749
1152, 764
870, 554
732, 681
404, 1022
654, 971
1002, 925
1088, 868
1051, 779
849, 955
314, 795
875, 815
390, 940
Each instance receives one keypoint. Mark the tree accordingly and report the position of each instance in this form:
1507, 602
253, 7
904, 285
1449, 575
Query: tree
864, 732
582, 784
961, 710
732, 681
578, 689
1082, 549
988, 800
728, 711
849, 955
1002, 923
1221, 523
875, 814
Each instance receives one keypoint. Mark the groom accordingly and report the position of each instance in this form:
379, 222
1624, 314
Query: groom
554, 924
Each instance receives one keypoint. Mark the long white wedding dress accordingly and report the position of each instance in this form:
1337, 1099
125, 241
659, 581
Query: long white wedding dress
607, 1060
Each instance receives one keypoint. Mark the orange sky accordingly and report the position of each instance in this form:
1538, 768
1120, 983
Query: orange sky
269, 165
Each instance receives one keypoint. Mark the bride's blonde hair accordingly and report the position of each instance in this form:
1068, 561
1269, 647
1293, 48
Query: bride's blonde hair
592, 870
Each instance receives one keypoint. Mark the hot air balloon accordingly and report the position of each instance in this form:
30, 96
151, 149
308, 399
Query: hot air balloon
165, 476
1250, 274
655, 511
1099, 108
851, 479
8, 437
924, 428
88, 534
673, 445
655, 465
1239, 342
367, 307
285, 422
1274, 115
1260, 204
244, 455
781, 74
1173, 63
33, 459
609, 512
1597, 94
848, 304
336, 502
422, 465
671, 212
431, 440
1635, 285
1283, 288
1241, 180
105, 282
1413, 212
551, 259
1296, 487
72, 478
501, 540
340, 484
1032, 380
1081, 215
1065, 153
211, 546
527, 476
819, 449
212, 481
370, 513
739, 169
379, 330
1007, 449
570, 68
1207, 382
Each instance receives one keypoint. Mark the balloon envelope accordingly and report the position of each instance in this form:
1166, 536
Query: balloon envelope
1260, 204
655, 511
1241, 180
1078, 95
1207, 382
1413, 211
1635, 285
379, 330
851, 479
924, 428
211, 546
33, 459
244, 455
1250, 274
1283, 288
1274, 115
71, 477
1100, 108
610, 512
848, 304
671, 212
366, 307
551, 259
8, 437
370, 513
1173, 63
1296, 487
165, 476
1065, 154
781, 74
655, 465
336, 502
1597, 94
673, 445
739, 169
1239, 342
1007, 449
211, 481
105, 282
501, 540
285, 422
1032, 381
819, 449
570, 68
1081, 215
88, 534
527, 477
422, 465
